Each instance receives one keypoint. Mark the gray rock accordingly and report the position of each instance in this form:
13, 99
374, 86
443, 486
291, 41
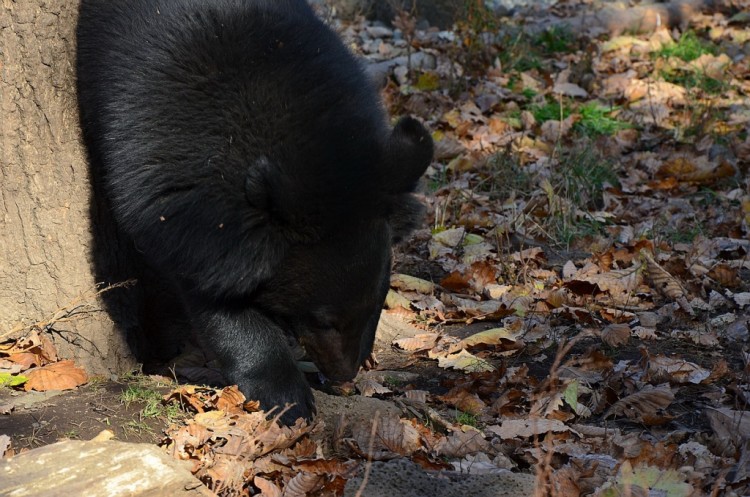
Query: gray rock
98, 469
379, 31
406, 479
379, 71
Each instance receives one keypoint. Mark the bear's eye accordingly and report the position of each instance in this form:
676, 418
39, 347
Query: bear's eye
323, 320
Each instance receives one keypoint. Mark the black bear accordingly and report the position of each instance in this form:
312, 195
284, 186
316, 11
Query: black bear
246, 156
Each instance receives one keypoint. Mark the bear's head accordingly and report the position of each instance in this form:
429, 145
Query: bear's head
330, 285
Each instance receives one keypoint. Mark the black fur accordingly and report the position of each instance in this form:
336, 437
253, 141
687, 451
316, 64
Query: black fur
246, 156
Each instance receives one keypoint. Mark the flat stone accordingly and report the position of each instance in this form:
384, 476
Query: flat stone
98, 469
406, 479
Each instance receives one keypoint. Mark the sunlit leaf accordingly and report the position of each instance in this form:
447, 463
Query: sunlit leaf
63, 375
465, 361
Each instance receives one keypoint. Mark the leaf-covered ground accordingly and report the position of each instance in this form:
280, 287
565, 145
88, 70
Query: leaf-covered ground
578, 299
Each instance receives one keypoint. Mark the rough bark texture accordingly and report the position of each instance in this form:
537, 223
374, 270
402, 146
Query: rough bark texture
45, 230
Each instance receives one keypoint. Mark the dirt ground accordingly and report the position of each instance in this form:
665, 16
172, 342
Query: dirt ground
34, 419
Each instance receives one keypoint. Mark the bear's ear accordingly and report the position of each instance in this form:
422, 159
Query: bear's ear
269, 192
258, 187
278, 203
408, 153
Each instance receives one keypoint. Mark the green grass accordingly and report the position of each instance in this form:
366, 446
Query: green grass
685, 232
550, 111
526, 63
688, 48
392, 382
152, 399
581, 175
596, 120
690, 79
465, 418
685, 235
71, 434
505, 176
518, 53
529, 93
154, 407
564, 230
478, 17
578, 181
557, 39
522, 52
137, 427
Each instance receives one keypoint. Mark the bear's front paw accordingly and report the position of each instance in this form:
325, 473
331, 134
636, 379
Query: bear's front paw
278, 391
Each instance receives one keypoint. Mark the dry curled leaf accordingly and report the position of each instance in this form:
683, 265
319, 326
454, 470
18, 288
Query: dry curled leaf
465, 361
616, 334
524, 428
369, 387
676, 370
644, 406
665, 283
63, 375
393, 436
695, 170
411, 284
230, 399
267, 487
103, 436
494, 336
725, 275
423, 341
303, 484
460, 444
464, 401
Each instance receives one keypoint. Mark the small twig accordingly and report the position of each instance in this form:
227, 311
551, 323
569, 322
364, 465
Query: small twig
368, 467
70, 312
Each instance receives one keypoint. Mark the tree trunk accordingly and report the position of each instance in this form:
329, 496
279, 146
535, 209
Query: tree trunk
46, 235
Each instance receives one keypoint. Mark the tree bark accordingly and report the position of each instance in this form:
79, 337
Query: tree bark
46, 242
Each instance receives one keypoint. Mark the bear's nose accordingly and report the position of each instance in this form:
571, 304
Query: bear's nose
341, 371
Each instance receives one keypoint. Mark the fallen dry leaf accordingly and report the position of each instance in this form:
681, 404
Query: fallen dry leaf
615, 335
303, 484
464, 401
369, 387
730, 424
644, 406
4, 444
494, 336
524, 428
103, 436
460, 444
267, 488
675, 370
695, 170
665, 283
464, 361
411, 283
230, 399
63, 375
393, 436
423, 341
